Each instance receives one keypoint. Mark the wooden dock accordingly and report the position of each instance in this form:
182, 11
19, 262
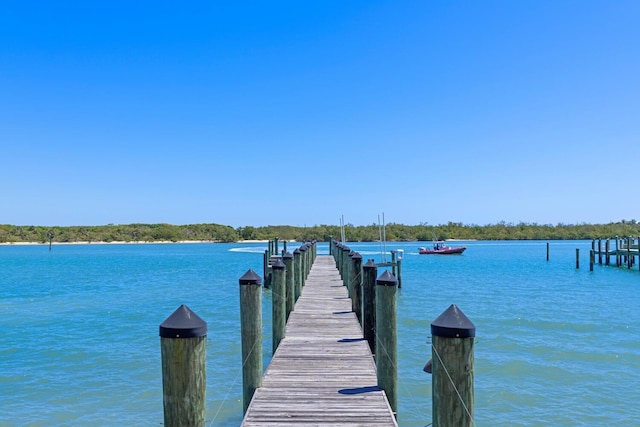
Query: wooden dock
323, 373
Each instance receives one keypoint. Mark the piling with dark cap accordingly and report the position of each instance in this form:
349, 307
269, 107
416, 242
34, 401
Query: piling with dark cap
183, 346
289, 282
387, 342
296, 274
356, 285
303, 264
452, 368
279, 303
369, 276
251, 335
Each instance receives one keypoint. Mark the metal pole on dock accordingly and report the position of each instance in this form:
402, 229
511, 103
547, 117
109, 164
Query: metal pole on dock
369, 275
278, 303
387, 341
251, 335
289, 284
452, 369
356, 285
183, 337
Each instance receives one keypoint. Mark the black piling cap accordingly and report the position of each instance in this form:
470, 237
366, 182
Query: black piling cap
287, 255
278, 264
387, 279
303, 248
357, 257
345, 248
183, 323
370, 264
296, 252
453, 324
351, 253
250, 278
428, 367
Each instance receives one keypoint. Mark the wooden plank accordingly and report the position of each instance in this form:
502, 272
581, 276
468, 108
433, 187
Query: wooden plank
323, 372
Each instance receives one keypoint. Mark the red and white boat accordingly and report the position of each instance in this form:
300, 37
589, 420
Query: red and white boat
439, 248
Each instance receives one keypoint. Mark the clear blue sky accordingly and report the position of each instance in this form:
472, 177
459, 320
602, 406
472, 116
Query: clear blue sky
296, 112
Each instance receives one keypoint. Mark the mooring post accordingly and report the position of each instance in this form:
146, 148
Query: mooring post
399, 276
346, 261
629, 259
617, 252
251, 335
592, 259
452, 369
289, 285
356, 285
577, 257
600, 251
370, 274
265, 275
275, 246
387, 342
303, 265
393, 263
547, 251
297, 284
278, 303
183, 337
607, 248
284, 247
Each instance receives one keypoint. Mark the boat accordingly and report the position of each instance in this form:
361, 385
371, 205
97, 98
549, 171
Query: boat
439, 248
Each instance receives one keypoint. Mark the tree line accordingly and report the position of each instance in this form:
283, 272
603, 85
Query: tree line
353, 233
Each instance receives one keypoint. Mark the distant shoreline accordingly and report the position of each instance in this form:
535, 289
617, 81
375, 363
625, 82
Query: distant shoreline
155, 242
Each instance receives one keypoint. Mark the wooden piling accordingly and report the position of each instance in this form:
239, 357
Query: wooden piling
183, 337
600, 251
386, 342
547, 251
592, 259
356, 285
452, 369
278, 303
296, 274
303, 264
369, 276
607, 248
399, 276
289, 284
577, 257
251, 335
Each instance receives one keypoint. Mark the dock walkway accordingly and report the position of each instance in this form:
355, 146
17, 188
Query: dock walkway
323, 372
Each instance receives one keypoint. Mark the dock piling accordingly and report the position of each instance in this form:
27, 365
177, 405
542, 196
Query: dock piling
183, 337
278, 303
251, 335
387, 342
369, 276
452, 369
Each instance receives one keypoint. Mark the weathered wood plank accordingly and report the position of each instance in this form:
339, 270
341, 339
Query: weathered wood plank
323, 372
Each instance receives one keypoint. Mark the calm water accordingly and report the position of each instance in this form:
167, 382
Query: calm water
80, 346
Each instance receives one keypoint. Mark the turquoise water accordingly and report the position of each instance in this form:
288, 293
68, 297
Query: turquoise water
80, 346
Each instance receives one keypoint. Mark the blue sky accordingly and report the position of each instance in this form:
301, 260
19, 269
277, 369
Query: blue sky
290, 112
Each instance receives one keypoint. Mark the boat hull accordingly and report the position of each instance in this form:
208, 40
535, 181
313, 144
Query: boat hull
443, 251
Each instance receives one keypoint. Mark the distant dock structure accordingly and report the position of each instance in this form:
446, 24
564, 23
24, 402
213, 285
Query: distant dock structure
618, 251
